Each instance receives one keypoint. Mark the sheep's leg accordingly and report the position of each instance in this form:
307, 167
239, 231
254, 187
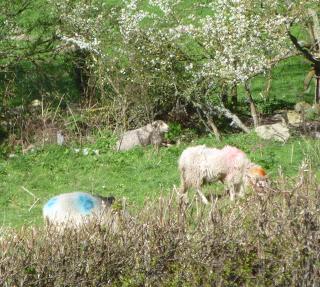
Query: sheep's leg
232, 193
183, 197
203, 198
241, 192
182, 192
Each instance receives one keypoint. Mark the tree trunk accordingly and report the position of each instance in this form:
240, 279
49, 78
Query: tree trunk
253, 108
315, 28
317, 100
214, 129
235, 119
267, 87
234, 96
316, 35
210, 125
81, 71
224, 95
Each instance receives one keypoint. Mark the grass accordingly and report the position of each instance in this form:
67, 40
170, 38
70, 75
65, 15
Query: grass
137, 175
286, 87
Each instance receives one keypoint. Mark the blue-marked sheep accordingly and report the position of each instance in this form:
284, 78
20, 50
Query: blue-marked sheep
200, 165
150, 134
77, 208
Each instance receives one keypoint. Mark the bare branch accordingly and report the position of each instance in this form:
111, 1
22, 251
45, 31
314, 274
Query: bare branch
303, 50
235, 119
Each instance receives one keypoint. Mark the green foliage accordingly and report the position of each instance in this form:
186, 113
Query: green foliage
174, 132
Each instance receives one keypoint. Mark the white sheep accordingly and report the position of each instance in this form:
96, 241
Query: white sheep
77, 208
150, 134
200, 165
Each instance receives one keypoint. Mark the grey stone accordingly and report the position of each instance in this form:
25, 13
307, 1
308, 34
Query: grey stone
294, 118
277, 132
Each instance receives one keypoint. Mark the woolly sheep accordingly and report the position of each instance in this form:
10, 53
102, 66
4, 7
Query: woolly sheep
149, 134
77, 208
199, 165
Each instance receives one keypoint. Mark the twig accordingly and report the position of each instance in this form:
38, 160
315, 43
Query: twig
36, 199
28, 191
33, 204
55, 113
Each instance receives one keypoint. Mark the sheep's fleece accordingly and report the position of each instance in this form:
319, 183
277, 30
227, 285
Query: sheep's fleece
199, 165
149, 134
76, 208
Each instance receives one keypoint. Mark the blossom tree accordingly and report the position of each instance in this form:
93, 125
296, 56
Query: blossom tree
220, 44
179, 53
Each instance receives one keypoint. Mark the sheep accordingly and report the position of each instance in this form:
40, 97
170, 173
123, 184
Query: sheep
199, 165
77, 208
149, 134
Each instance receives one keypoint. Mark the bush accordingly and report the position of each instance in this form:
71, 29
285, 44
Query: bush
269, 239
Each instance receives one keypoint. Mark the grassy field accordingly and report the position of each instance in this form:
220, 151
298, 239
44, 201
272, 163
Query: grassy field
27, 181
141, 174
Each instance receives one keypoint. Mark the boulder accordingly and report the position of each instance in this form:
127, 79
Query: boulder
294, 118
301, 107
277, 132
316, 108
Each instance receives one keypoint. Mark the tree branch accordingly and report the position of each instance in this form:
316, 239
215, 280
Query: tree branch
303, 50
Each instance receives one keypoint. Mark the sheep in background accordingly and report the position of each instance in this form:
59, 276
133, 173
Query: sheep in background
77, 208
200, 165
150, 134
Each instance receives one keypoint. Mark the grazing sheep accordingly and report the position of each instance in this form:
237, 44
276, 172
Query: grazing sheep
149, 134
77, 208
200, 165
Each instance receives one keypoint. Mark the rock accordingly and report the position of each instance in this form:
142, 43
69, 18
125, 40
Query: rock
311, 114
277, 132
49, 135
294, 118
279, 117
316, 135
316, 108
60, 138
300, 107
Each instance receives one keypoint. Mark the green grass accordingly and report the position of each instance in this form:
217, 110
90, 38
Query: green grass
286, 87
138, 175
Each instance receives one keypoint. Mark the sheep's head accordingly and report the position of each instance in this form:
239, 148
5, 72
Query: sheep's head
257, 178
161, 126
107, 201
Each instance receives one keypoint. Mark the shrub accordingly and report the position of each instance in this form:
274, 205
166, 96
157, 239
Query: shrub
269, 239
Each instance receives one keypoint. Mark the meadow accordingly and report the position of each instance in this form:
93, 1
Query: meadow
28, 181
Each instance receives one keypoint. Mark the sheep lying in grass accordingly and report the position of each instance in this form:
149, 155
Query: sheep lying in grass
199, 165
77, 208
150, 134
